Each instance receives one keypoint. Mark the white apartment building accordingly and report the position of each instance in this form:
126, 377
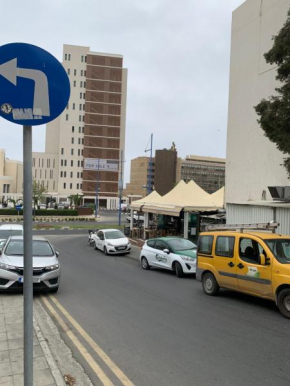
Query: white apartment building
11, 178
91, 127
253, 162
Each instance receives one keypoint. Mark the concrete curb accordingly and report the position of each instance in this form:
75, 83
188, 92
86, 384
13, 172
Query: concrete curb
48, 356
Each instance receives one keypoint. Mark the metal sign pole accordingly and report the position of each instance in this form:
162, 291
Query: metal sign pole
28, 270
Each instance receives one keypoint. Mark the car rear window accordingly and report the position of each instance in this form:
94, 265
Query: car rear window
39, 248
205, 245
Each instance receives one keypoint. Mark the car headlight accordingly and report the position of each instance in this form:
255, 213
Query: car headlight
7, 267
52, 267
110, 245
187, 258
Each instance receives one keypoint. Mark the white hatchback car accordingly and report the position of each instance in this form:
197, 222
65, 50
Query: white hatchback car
111, 241
172, 253
46, 267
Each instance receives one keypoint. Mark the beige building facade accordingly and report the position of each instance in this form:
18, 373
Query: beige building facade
138, 178
207, 172
253, 162
91, 127
11, 178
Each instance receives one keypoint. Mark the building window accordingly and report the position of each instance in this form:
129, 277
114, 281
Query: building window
66, 117
71, 163
6, 188
82, 164
84, 96
65, 56
70, 186
33, 162
73, 129
82, 152
74, 106
65, 162
72, 140
79, 141
83, 118
80, 129
82, 58
61, 174
81, 83
81, 95
64, 174
75, 72
61, 162
78, 186
83, 107
83, 130
64, 185
51, 173
54, 163
81, 174
62, 150
68, 71
80, 118
45, 173
85, 73
84, 84
81, 186
82, 141
40, 173
78, 175
68, 56
79, 163
72, 151
71, 174
82, 72
75, 83
80, 107
67, 106
85, 59
53, 185
79, 152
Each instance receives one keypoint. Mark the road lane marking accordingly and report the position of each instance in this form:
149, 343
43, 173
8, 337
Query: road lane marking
87, 356
113, 367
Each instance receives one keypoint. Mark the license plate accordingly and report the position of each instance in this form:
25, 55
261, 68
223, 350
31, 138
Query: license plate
121, 248
34, 280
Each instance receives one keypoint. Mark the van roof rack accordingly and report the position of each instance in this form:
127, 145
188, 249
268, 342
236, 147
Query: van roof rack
264, 226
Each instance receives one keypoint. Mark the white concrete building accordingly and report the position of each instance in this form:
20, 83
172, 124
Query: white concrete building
11, 178
253, 162
92, 126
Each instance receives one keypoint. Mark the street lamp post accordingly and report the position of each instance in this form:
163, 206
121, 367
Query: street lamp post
149, 181
97, 190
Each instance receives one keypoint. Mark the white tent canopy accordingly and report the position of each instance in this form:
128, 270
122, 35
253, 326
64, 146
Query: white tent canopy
152, 197
188, 197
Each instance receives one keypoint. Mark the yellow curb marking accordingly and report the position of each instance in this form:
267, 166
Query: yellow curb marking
90, 360
114, 368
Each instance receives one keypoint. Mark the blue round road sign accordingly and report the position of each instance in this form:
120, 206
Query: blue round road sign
34, 87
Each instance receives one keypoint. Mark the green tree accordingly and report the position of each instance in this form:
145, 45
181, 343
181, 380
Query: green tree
75, 199
274, 113
38, 191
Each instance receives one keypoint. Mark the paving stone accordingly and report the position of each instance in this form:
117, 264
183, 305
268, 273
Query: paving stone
4, 357
14, 334
3, 345
3, 336
17, 367
6, 381
40, 363
43, 378
5, 369
19, 343
14, 327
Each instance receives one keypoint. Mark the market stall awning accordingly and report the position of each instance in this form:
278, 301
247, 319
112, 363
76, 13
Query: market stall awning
189, 197
152, 197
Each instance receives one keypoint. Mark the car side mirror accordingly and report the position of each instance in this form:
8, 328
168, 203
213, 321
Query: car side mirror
166, 251
262, 259
56, 253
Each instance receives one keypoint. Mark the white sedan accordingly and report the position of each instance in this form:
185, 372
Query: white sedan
111, 241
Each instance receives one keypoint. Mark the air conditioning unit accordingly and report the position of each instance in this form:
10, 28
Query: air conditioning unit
280, 193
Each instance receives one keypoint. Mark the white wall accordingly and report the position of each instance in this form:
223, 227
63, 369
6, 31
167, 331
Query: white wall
253, 162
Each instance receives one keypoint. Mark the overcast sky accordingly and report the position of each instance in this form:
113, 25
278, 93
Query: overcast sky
177, 54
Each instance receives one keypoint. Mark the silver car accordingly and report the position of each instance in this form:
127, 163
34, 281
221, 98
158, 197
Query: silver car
46, 267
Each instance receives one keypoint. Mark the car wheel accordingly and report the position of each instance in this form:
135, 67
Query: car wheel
144, 263
178, 270
209, 284
95, 245
283, 302
105, 251
54, 290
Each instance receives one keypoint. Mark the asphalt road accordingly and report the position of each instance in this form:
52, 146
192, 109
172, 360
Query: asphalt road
163, 331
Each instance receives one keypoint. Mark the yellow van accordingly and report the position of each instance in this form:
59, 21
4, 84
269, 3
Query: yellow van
248, 259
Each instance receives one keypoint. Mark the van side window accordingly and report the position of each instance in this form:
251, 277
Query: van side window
249, 250
225, 246
205, 245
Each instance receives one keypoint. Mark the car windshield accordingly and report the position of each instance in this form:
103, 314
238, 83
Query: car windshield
181, 244
280, 249
5, 233
114, 235
39, 248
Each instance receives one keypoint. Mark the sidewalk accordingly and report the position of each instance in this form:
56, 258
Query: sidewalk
46, 372
53, 363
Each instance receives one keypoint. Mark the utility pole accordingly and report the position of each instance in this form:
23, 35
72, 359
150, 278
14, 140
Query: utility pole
149, 181
97, 190
121, 187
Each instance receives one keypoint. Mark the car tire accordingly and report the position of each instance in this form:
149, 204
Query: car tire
283, 302
178, 269
209, 284
54, 290
95, 245
105, 251
144, 263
